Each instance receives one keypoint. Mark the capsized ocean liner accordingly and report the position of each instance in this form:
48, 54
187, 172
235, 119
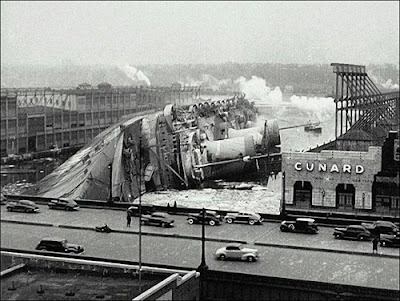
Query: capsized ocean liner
178, 148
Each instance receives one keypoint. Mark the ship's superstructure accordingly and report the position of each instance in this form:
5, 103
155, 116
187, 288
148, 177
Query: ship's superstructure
179, 147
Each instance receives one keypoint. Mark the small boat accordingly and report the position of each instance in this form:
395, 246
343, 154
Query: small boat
313, 127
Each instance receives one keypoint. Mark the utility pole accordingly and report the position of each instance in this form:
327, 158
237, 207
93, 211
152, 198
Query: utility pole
203, 268
140, 207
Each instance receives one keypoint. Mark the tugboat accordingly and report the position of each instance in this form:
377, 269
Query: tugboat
313, 127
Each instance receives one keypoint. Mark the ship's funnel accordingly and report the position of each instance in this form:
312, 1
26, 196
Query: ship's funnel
230, 148
255, 132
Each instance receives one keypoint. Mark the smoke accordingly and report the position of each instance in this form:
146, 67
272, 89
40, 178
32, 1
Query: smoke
135, 74
317, 108
208, 81
388, 85
256, 89
321, 107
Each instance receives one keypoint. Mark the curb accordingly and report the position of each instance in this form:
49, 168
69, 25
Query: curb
127, 232
324, 250
27, 223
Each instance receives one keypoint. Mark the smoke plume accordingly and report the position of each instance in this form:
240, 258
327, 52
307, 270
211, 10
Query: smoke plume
135, 74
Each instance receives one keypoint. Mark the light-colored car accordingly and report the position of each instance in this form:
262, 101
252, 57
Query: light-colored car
22, 205
250, 218
63, 204
237, 251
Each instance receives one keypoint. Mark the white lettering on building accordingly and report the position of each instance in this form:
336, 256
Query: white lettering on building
323, 167
310, 167
359, 169
347, 168
334, 168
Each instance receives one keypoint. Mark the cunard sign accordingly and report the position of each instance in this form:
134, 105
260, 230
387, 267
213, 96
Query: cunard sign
332, 168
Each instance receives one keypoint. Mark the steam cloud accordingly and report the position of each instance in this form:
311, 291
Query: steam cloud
135, 74
388, 85
256, 90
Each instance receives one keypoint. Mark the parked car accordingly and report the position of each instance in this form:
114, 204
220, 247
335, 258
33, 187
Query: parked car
353, 231
158, 218
3, 199
22, 205
390, 240
55, 244
381, 227
236, 251
250, 218
301, 224
211, 218
134, 210
63, 204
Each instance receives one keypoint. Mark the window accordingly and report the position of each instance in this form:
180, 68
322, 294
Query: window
395, 202
345, 199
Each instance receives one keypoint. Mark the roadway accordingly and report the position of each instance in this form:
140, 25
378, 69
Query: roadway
289, 255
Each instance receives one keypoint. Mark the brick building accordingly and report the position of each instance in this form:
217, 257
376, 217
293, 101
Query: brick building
354, 182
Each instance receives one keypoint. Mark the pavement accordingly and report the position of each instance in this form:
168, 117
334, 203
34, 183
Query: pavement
267, 234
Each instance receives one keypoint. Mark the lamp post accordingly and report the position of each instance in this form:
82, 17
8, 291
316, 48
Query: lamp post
140, 207
110, 194
203, 268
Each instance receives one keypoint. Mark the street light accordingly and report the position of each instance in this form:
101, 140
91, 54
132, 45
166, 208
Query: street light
203, 268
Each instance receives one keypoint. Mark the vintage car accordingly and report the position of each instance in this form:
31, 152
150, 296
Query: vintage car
211, 218
301, 224
158, 219
381, 227
59, 245
236, 251
63, 204
353, 232
390, 240
22, 206
250, 218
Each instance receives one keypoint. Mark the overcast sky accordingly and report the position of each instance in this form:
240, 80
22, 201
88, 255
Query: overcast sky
120, 33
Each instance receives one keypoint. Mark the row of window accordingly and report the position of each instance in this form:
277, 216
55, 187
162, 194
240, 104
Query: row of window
345, 196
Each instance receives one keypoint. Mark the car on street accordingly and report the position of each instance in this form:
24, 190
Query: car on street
211, 218
236, 251
22, 206
390, 240
250, 218
352, 232
63, 204
301, 224
158, 219
381, 227
3, 199
56, 244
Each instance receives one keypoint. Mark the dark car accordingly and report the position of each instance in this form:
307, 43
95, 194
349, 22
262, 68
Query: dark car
63, 204
301, 224
158, 219
381, 227
55, 244
22, 206
250, 218
390, 240
211, 218
354, 232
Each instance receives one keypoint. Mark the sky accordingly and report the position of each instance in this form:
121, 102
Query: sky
189, 32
